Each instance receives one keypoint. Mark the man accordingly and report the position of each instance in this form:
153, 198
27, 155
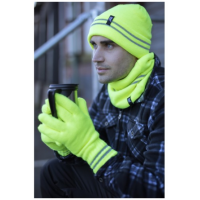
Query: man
117, 149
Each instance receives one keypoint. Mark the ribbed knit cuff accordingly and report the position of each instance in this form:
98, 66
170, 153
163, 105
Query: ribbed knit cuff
98, 154
102, 158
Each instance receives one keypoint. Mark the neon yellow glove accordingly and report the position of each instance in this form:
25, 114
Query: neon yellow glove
54, 145
76, 131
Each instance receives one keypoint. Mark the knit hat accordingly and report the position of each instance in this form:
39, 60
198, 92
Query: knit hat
127, 25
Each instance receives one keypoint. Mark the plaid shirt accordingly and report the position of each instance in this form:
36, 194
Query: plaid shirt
137, 134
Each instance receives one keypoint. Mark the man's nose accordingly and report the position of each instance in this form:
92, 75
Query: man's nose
97, 55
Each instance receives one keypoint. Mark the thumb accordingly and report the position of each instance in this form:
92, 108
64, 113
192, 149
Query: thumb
46, 108
83, 105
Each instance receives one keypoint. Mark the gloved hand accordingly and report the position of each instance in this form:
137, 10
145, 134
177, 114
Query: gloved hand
54, 145
76, 131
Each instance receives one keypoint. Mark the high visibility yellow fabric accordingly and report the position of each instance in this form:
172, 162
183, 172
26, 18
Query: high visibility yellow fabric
130, 28
133, 85
52, 144
76, 132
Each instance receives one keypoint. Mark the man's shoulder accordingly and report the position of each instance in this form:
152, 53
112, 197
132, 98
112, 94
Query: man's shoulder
155, 84
157, 76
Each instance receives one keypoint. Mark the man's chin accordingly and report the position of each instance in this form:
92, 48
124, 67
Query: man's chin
103, 80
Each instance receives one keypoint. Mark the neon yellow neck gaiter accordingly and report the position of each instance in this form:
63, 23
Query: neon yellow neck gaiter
132, 86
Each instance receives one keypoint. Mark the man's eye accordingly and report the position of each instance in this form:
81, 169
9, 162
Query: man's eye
94, 45
109, 46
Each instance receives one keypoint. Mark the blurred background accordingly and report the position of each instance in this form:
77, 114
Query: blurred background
62, 55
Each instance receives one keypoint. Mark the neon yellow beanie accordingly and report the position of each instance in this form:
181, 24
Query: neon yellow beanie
127, 25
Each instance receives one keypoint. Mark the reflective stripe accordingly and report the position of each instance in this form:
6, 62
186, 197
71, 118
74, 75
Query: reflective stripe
123, 35
102, 158
126, 31
140, 76
98, 155
138, 80
135, 82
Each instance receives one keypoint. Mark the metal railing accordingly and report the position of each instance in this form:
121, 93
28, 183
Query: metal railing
63, 33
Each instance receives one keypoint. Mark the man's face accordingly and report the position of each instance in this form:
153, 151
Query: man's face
111, 61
